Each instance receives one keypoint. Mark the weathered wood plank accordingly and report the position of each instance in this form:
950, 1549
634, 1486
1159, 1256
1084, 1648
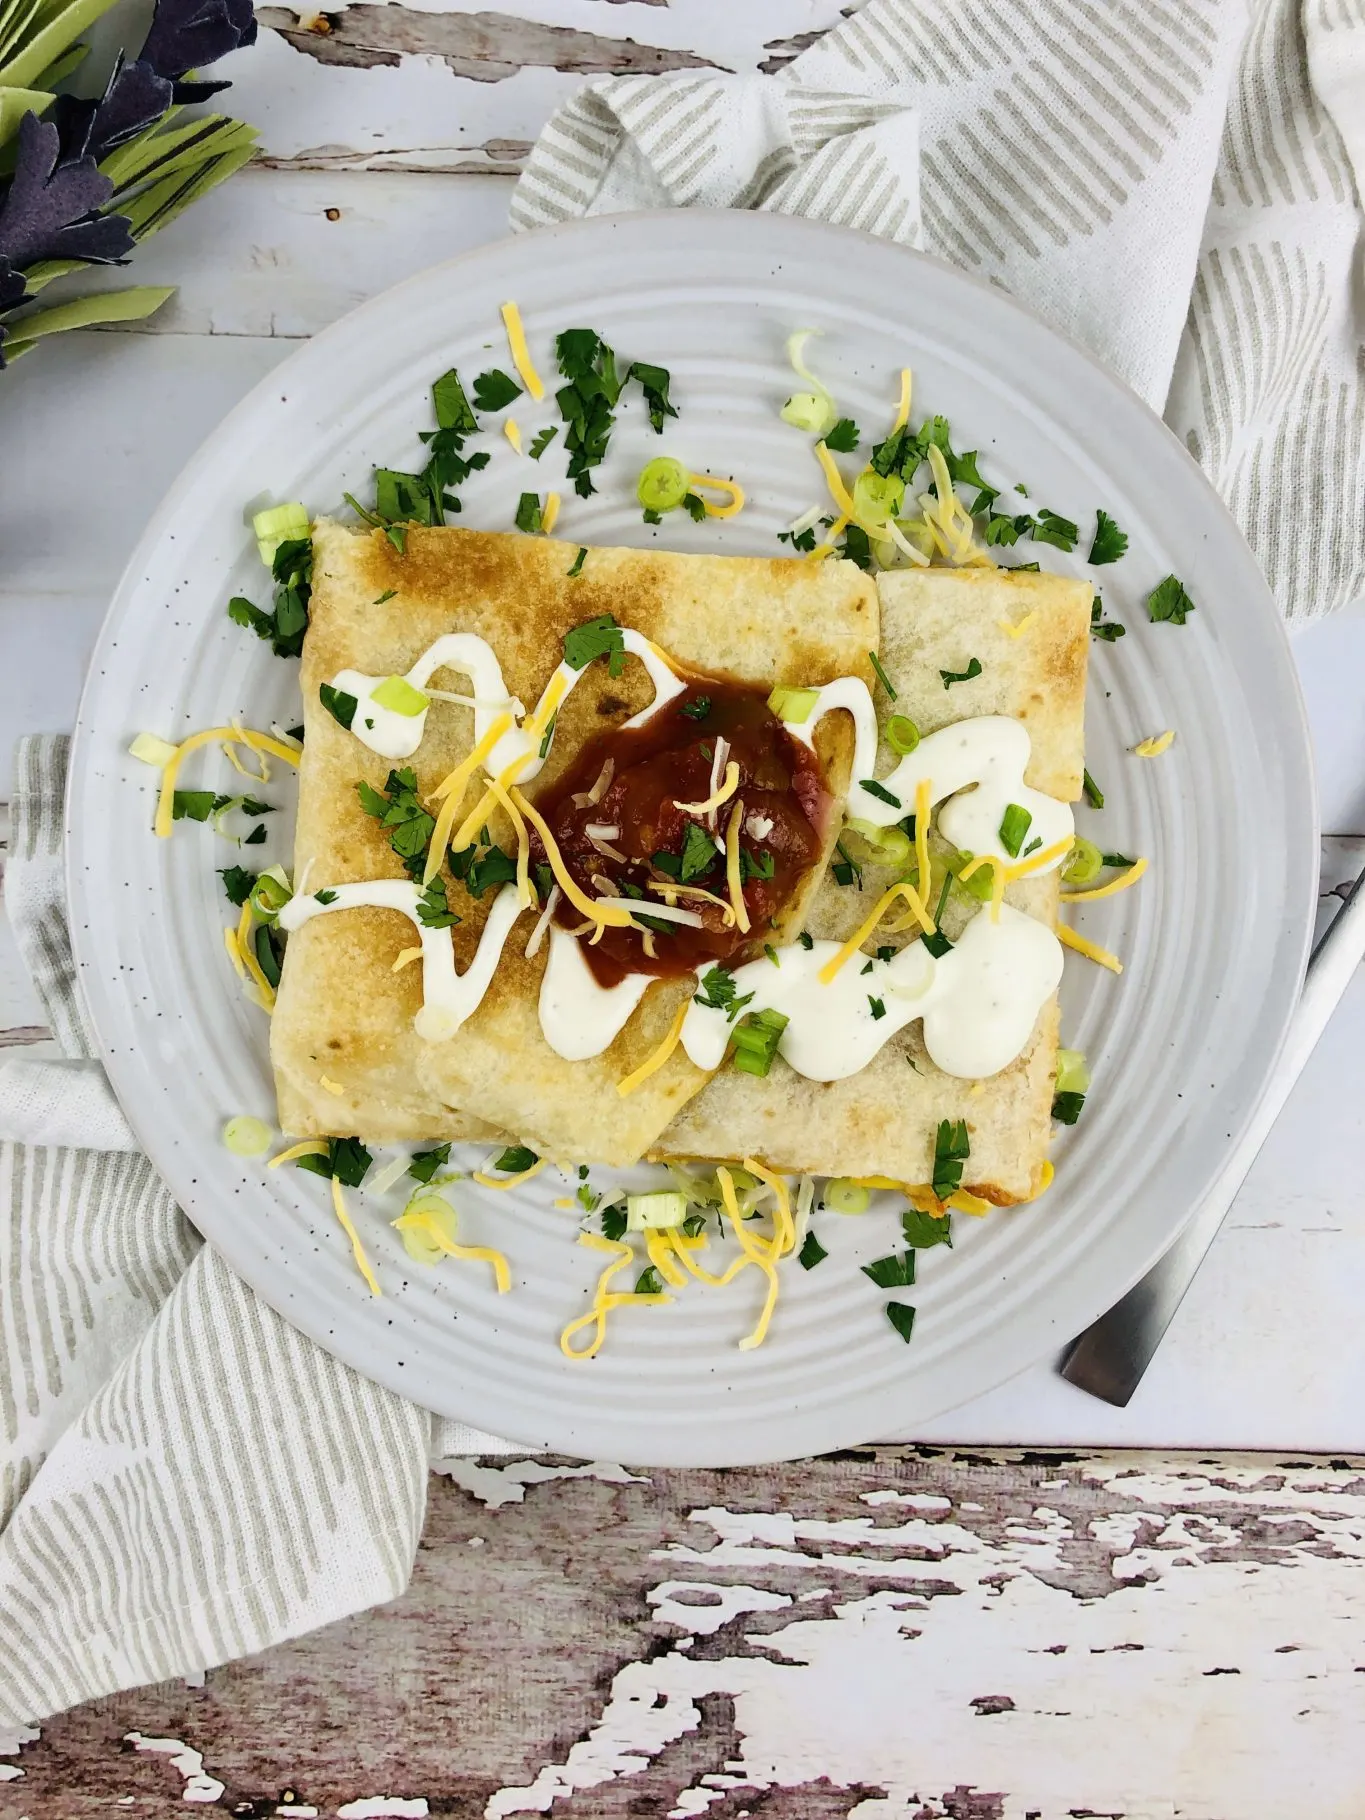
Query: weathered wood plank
895, 1632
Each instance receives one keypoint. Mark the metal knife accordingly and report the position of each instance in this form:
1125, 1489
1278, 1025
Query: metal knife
1109, 1358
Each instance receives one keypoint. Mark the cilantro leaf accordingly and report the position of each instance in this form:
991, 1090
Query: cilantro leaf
600, 637
495, 389
856, 548
921, 1230
902, 1318
952, 1147
812, 1252
654, 383
1100, 627
1168, 601
347, 1159
799, 540
423, 1164
542, 440
894, 1272
698, 855
399, 811
195, 805
341, 706
718, 993
1108, 543
695, 507
587, 402
237, 883
325, 896
451, 406
1051, 528
843, 438
1066, 1107
433, 910
614, 1220
481, 871
698, 709
516, 1159
755, 865
649, 1282
528, 513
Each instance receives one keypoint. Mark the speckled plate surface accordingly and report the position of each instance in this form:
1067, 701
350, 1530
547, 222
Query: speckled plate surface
1214, 940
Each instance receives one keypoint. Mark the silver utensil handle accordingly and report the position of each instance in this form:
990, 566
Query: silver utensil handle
1110, 1357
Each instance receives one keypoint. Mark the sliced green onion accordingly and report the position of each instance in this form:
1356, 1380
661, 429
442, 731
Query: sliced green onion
846, 1196
814, 411
398, 695
277, 525
891, 845
877, 497
245, 1136
270, 894
655, 1212
902, 735
266, 956
1085, 862
755, 1041
795, 706
429, 1208
662, 485
979, 884
1072, 1074
917, 532
153, 750
1014, 825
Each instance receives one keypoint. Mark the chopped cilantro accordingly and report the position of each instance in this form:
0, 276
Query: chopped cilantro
256, 838
856, 547
920, 1230
846, 871
717, 993
649, 1282
451, 406
544, 876
481, 871
1108, 543
433, 911
577, 568
587, 401
902, 1318
878, 1008
379, 599
952, 1147
339, 704
542, 440
755, 865
1066, 1107
1093, 794
1117, 859
548, 735
614, 1220
515, 1160
882, 677
196, 805
698, 855
771, 953
843, 438
347, 1159
799, 540
806, 941
698, 709
528, 513
423, 1164
495, 389
695, 507
325, 897
586, 1199
600, 637
1107, 629
399, 811
894, 1272
812, 1252
237, 883
956, 676
654, 383
1168, 601
1049, 527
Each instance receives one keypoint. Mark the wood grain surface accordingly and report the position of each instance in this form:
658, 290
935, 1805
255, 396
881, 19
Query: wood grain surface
900, 1632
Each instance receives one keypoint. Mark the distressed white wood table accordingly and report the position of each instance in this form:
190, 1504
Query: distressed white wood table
910, 1631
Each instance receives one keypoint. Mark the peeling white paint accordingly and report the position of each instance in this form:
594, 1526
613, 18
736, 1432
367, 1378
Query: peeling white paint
499, 1485
702, 1608
189, 1762
377, 1807
10, 1772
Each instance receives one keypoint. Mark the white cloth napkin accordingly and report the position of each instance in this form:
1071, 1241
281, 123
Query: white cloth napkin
183, 1477
1173, 183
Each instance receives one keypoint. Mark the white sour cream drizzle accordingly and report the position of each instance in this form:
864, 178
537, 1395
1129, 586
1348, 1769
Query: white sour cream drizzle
395, 735
448, 997
991, 751
579, 1018
979, 1002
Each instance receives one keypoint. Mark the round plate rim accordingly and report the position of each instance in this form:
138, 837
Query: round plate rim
1293, 738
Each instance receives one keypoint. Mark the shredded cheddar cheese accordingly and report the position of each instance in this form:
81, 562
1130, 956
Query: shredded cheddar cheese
721, 795
603, 1302
1121, 883
362, 1263
309, 1147
405, 959
827, 548
1019, 630
616, 919
684, 1247
1046, 1176
734, 494
964, 1202
518, 821
732, 878
248, 954
1156, 745
454, 784
521, 354
668, 890
512, 431
653, 1063
903, 408
756, 1252
328, 1085
783, 1224
1101, 956
234, 952
549, 517
664, 1259
924, 796
834, 480
431, 1229
508, 1181
246, 736
1057, 850
860, 935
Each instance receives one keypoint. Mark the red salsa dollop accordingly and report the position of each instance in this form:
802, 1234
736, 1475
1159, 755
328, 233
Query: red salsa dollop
641, 841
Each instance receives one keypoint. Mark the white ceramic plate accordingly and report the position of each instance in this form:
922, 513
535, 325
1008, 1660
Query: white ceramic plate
1214, 940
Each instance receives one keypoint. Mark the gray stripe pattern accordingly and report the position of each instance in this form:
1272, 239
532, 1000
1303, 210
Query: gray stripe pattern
1171, 183
183, 1477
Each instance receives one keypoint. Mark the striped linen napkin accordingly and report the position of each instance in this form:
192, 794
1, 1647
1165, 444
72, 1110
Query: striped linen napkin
1172, 184
183, 1477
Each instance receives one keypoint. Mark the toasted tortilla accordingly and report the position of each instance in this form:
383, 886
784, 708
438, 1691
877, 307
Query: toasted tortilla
883, 1120
341, 1010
